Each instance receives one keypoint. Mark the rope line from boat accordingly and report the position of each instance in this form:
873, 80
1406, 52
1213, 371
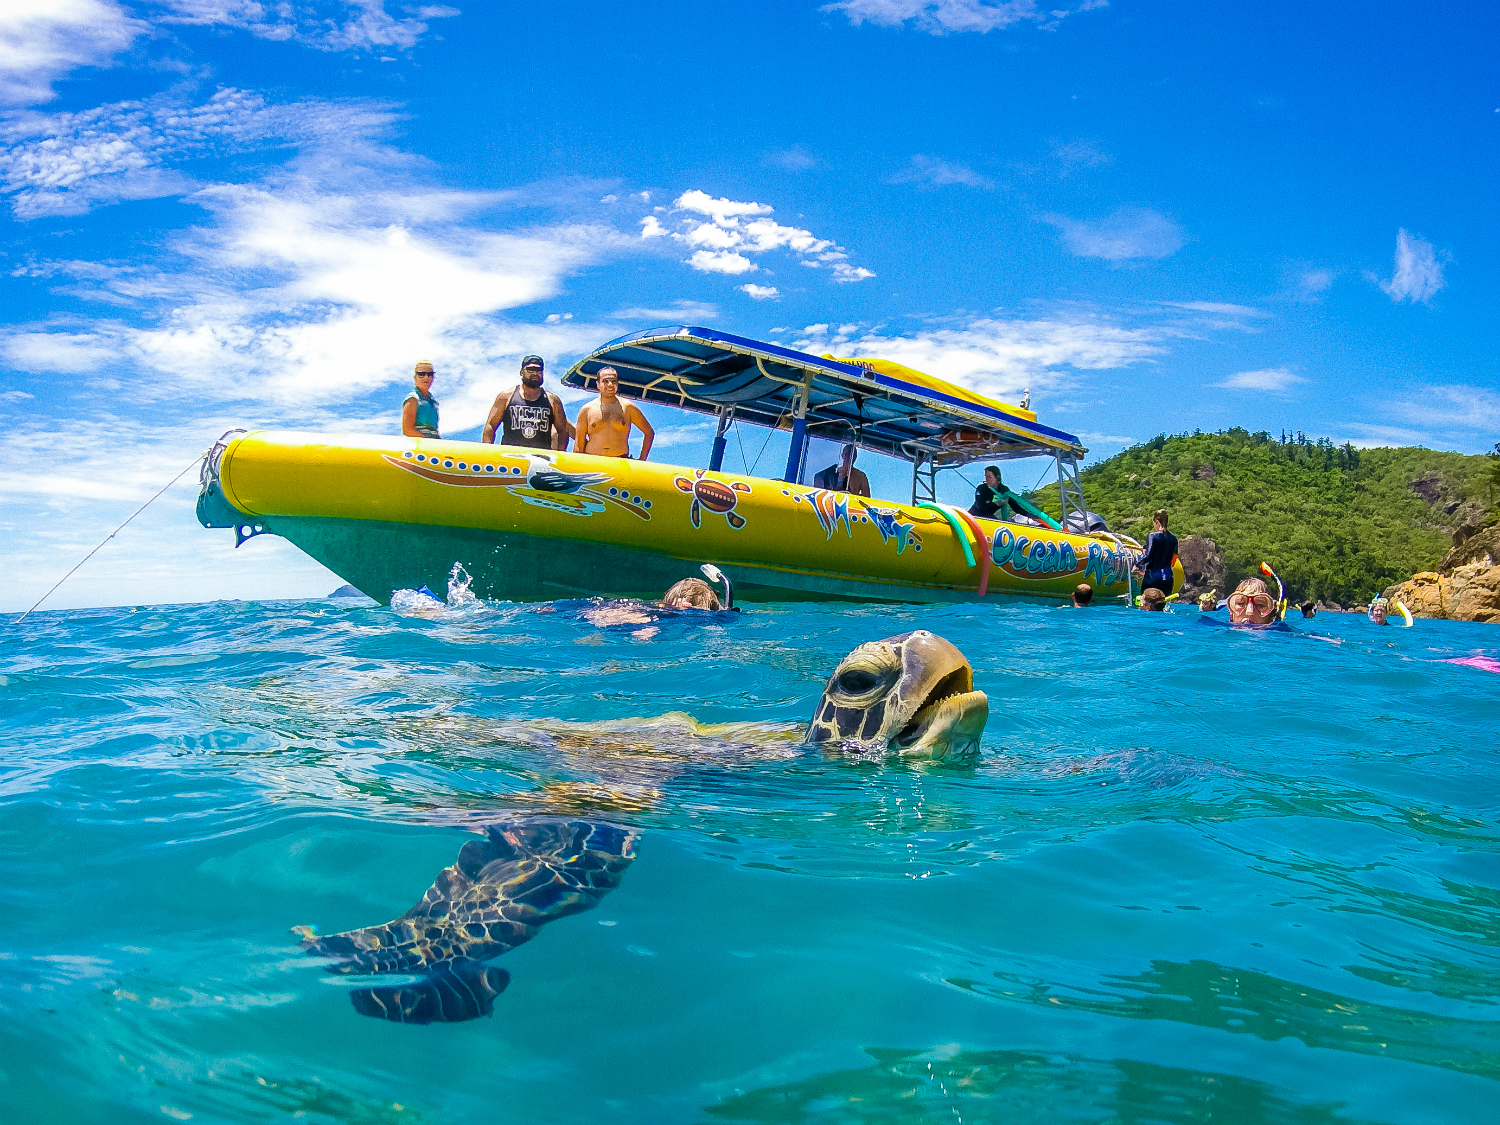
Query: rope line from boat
196, 461
770, 433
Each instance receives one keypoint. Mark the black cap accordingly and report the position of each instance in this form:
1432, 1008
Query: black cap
532, 361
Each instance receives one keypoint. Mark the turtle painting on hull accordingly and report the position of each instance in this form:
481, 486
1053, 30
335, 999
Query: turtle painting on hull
911, 695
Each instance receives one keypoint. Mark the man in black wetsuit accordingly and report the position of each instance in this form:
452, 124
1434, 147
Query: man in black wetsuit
1155, 567
527, 415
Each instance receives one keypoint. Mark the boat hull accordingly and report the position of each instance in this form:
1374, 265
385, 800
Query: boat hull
392, 513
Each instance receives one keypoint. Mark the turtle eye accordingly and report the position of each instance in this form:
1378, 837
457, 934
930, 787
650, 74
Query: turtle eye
857, 681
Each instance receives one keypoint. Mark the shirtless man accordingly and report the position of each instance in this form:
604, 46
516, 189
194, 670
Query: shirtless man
604, 424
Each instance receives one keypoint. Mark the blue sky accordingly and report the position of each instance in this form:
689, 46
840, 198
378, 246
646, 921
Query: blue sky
1156, 216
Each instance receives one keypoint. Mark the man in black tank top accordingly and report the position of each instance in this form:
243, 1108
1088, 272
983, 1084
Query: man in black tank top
527, 415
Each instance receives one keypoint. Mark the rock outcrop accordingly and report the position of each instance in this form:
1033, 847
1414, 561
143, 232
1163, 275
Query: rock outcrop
1466, 584
1202, 567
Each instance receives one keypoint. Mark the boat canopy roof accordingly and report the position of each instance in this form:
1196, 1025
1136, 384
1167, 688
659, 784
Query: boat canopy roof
874, 403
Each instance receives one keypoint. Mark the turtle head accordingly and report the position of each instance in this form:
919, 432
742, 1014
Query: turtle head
911, 695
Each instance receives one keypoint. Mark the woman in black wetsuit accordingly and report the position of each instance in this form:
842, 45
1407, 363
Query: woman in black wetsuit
1161, 548
989, 497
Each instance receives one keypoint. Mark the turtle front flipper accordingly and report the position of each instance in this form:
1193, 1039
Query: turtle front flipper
451, 992
526, 872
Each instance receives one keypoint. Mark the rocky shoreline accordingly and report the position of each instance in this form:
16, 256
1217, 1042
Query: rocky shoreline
1466, 584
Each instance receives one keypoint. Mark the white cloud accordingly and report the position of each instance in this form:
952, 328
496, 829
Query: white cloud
940, 173
763, 234
65, 163
1313, 281
706, 234
725, 212
1371, 436
1418, 275
62, 352
1081, 154
843, 271
721, 261
360, 24
679, 312
302, 291
941, 16
724, 241
760, 292
1275, 379
1000, 358
1129, 233
1218, 308
794, 159
1452, 406
42, 40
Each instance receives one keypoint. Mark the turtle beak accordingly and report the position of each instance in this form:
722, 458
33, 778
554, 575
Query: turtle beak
949, 721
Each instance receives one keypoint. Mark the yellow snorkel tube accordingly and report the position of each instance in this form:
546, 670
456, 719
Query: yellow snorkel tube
1265, 568
1400, 607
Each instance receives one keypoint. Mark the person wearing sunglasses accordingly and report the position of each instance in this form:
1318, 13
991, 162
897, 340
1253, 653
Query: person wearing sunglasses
1252, 604
419, 411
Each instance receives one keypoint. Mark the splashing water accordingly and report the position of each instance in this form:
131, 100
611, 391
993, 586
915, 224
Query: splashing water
424, 603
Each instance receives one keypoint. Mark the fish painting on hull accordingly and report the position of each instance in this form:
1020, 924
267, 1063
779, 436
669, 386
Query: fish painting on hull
716, 496
889, 522
538, 482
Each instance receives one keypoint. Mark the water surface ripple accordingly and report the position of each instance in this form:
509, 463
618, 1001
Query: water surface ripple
1197, 875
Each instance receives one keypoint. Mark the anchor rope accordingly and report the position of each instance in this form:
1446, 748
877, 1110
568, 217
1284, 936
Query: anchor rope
191, 464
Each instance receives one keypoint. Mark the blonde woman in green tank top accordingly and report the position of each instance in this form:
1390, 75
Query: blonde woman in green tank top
419, 411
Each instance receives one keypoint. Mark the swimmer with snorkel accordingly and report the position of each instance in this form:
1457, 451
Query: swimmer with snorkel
1252, 604
688, 594
1379, 613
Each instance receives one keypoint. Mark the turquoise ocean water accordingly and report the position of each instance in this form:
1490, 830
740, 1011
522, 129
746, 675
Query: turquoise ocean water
1198, 875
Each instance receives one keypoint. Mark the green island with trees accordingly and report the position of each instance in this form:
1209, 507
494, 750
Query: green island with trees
1338, 523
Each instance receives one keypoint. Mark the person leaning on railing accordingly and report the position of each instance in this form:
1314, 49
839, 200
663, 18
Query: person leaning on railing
992, 498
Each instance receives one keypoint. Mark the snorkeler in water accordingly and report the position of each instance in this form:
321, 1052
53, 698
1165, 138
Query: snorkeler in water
1252, 605
681, 600
1379, 613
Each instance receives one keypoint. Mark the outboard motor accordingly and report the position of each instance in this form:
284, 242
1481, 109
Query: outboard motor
1081, 523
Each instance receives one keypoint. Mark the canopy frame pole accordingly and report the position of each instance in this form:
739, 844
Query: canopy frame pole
1070, 492
796, 457
924, 469
721, 438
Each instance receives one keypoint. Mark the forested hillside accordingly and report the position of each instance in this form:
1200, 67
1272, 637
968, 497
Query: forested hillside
1336, 522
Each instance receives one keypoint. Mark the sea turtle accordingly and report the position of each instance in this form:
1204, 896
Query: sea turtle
909, 695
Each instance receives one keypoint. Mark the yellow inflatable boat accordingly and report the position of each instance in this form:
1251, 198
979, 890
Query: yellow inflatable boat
396, 513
